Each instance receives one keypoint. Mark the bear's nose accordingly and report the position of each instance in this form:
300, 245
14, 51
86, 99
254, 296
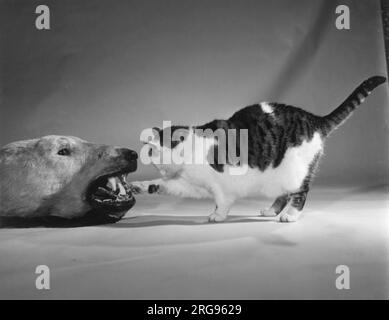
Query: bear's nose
129, 154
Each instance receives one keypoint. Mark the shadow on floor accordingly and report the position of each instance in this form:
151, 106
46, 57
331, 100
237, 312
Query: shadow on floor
57, 222
158, 220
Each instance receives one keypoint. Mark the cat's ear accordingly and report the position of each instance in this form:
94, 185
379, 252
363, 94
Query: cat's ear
150, 136
157, 132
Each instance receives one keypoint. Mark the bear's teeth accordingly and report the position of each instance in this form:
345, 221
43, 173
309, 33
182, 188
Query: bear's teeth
112, 183
121, 188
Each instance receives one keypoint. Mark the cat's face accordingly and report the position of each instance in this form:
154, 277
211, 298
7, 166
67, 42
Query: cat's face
166, 150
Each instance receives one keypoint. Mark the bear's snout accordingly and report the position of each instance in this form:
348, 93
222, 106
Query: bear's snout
124, 157
128, 154
117, 153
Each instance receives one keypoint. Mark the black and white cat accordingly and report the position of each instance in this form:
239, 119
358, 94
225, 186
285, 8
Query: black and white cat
285, 144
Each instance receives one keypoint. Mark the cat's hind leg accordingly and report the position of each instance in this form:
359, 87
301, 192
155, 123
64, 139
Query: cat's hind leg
278, 205
296, 207
298, 198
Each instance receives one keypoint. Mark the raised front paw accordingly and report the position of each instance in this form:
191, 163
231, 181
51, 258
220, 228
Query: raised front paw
139, 187
217, 217
153, 188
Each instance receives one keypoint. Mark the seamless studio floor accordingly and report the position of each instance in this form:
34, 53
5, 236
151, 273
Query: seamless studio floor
165, 249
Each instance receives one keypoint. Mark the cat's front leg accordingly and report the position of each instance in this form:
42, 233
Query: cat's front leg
151, 186
223, 205
174, 187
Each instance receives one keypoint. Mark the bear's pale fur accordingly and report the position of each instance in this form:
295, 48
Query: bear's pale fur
36, 180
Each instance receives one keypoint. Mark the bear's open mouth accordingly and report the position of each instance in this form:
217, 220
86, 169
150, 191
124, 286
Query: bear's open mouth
110, 192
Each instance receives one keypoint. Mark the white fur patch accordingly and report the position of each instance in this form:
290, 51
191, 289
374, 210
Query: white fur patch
266, 108
272, 182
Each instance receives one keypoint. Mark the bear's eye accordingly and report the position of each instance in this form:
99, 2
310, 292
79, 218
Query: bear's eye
64, 152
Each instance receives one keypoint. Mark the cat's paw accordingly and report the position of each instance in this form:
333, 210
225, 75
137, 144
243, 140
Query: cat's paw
269, 212
290, 216
153, 188
216, 217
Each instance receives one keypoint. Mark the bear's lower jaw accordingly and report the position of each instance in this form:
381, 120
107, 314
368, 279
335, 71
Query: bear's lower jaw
101, 216
111, 194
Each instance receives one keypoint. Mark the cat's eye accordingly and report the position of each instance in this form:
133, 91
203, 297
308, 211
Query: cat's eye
64, 152
153, 150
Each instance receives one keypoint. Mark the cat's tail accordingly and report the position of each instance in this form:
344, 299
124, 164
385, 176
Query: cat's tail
337, 117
